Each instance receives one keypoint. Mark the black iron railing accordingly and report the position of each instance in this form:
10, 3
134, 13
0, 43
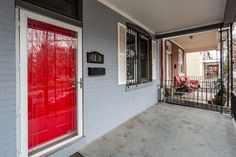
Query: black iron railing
204, 94
233, 104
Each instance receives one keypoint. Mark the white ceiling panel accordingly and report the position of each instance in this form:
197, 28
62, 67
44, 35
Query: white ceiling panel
162, 16
198, 42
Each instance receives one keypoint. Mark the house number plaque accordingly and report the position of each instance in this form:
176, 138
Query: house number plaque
95, 57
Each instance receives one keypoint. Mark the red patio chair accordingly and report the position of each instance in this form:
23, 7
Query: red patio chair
183, 83
195, 83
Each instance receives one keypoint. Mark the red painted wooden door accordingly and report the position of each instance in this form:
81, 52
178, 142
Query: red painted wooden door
51, 79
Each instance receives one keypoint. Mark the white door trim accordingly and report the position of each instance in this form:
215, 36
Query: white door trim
22, 82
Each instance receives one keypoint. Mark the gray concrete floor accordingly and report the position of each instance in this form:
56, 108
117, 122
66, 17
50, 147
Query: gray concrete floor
166, 130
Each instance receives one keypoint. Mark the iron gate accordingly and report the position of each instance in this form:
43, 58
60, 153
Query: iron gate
233, 89
207, 93
233, 108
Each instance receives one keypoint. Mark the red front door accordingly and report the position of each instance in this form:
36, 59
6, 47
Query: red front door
51, 83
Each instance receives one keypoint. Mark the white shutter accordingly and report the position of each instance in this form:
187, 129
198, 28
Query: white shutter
154, 60
121, 54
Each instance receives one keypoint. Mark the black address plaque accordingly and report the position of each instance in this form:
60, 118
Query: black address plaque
95, 57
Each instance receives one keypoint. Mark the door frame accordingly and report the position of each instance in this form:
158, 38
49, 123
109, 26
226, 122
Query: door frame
22, 17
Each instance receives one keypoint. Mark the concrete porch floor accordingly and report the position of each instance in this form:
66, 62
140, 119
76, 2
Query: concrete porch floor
166, 130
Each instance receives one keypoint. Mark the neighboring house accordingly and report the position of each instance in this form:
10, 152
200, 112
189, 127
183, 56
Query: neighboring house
175, 60
197, 63
194, 59
209, 64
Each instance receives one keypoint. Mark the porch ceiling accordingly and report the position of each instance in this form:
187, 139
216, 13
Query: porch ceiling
162, 16
199, 42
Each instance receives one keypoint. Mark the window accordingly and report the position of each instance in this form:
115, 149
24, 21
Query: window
180, 62
68, 8
144, 42
139, 57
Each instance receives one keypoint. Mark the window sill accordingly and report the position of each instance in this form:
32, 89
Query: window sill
138, 86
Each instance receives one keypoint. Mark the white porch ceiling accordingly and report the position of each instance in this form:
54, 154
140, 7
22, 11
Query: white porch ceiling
162, 16
200, 42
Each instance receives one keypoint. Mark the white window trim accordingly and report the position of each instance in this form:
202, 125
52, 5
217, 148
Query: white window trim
22, 83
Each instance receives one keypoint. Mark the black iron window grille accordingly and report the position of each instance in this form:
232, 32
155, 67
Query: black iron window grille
139, 57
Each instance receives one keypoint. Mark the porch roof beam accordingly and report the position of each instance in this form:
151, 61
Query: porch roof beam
190, 31
230, 12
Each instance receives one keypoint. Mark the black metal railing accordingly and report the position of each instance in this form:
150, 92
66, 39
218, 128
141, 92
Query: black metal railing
202, 93
233, 105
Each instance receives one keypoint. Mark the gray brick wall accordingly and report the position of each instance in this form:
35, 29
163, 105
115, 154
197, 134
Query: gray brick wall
7, 80
106, 104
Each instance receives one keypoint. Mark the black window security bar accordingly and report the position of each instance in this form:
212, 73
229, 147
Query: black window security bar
139, 57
